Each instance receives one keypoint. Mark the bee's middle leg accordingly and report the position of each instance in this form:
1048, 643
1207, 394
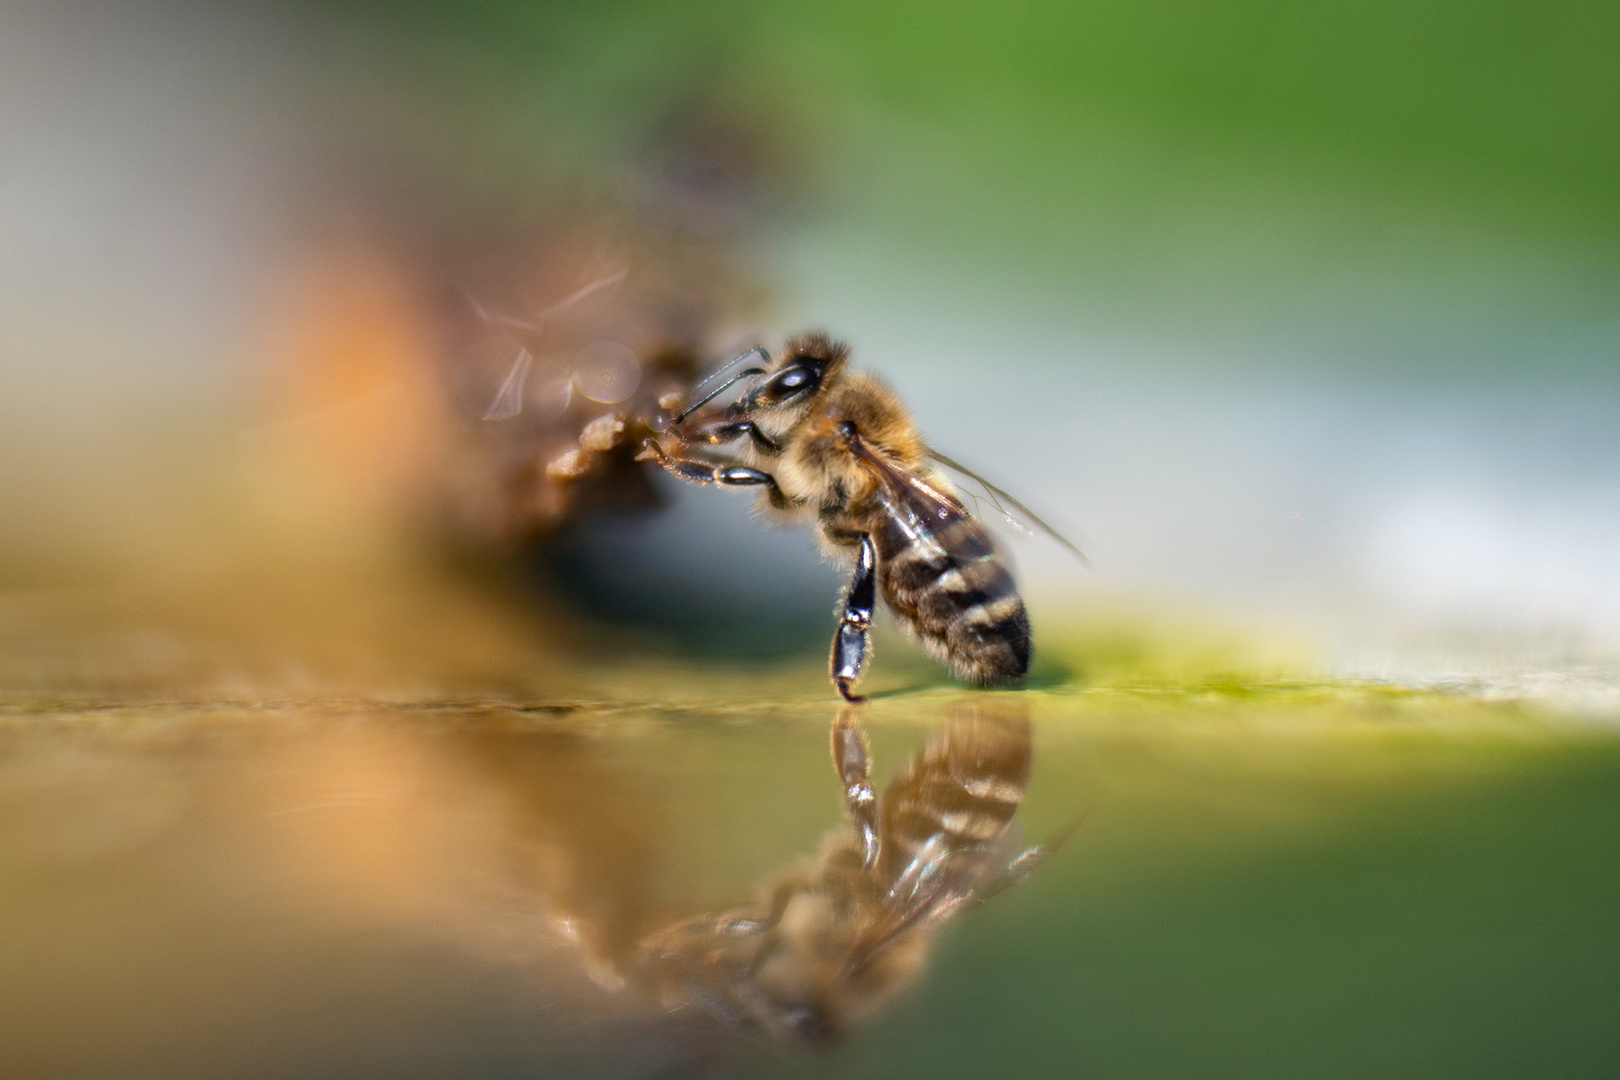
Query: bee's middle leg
850, 643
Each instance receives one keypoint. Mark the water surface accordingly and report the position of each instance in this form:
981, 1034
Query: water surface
1266, 881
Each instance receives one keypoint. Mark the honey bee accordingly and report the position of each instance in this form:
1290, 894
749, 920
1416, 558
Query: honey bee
837, 449
836, 938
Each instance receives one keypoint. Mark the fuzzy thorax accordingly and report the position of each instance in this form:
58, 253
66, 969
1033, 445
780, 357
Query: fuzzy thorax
817, 466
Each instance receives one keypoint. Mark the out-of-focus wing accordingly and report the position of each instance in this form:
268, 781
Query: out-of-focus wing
606, 281
509, 402
1000, 499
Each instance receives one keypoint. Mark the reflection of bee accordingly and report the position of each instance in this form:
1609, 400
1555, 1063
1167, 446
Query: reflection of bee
839, 937
839, 449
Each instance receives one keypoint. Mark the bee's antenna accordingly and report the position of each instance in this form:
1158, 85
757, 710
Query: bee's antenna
717, 391
729, 364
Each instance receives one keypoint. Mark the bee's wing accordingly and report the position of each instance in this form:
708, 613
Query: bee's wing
921, 509
998, 498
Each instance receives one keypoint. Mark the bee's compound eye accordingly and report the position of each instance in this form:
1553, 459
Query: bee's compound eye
790, 382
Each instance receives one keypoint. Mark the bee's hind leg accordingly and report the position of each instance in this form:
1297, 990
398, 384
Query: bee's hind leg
850, 643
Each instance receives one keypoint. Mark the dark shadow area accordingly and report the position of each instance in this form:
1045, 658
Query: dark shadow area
602, 575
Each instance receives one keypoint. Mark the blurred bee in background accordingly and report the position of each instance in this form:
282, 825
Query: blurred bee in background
839, 936
555, 400
534, 339
838, 449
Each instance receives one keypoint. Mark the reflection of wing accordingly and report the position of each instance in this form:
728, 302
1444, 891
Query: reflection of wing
998, 497
945, 822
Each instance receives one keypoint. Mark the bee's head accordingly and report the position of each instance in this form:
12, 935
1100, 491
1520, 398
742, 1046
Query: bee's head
800, 371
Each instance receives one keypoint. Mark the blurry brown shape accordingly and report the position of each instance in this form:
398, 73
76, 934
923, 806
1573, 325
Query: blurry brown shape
462, 360
407, 389
446, 374
351, 361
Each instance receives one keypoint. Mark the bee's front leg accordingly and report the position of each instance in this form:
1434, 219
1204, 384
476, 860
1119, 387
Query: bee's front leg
698, 471
850, 643
726, 430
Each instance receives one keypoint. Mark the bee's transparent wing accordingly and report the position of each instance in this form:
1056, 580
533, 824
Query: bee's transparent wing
1001, 500
917, 506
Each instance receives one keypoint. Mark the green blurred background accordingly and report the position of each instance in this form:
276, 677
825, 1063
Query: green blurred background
1248, 167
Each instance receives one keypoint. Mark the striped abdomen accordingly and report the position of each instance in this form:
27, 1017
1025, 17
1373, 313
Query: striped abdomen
952, 586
